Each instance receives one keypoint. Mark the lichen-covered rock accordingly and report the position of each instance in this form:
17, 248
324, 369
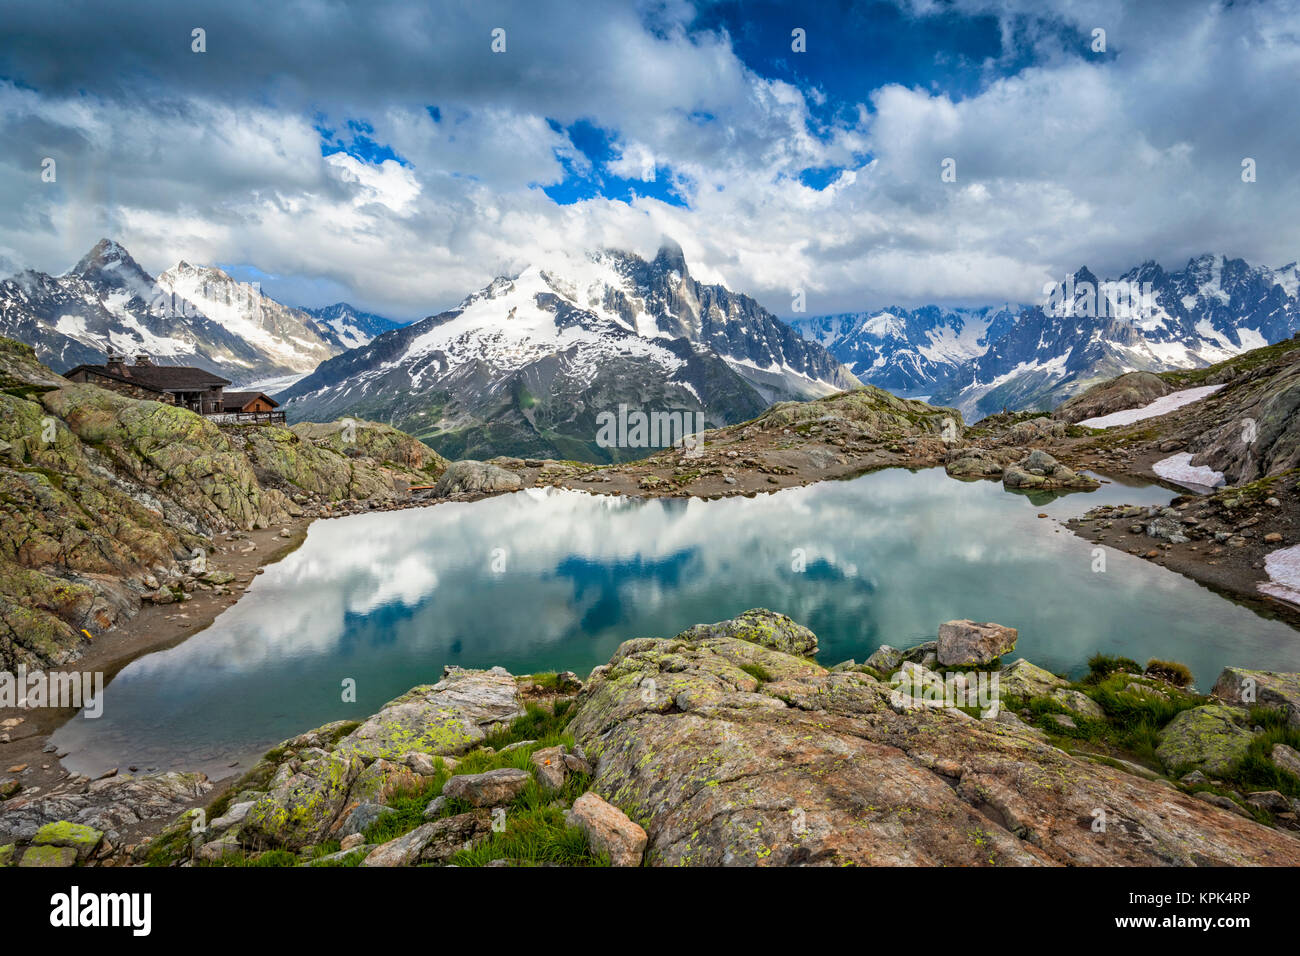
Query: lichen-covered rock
446, 718
165, 445
281, 458
422, 764
227, 844
1036, 429
817, 768
357, 816
1023, 679
1077, 703
1264, 688
1210, 738
374, 440
300, 808
234, 815
1287, 758
609, 830
973, 462
885, 659
762, 627
874, 412
383, 781
104, 492
48, 856
82, 839
971, 644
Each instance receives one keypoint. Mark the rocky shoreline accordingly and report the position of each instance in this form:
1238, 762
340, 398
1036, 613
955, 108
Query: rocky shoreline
730, 745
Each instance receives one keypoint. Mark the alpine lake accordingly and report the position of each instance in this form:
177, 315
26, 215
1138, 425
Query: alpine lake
544, 580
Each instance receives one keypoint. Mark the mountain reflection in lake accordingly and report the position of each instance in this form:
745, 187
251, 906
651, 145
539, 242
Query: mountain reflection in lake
547, 580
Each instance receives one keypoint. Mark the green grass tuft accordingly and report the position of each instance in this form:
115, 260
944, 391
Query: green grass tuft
1101, 666
1171, 672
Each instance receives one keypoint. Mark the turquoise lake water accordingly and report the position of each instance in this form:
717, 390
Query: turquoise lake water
555, 580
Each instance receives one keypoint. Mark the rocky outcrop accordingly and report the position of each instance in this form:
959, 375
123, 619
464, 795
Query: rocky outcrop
339, 461
441, 719
1130, 390
974, 462
334, 781
475, 477
1040, 471
490, 789
1253, 430
356, 438
762, 627
1248, 430
1023, 679
109, 806
818, 767
103, 498
305, 798
874, 412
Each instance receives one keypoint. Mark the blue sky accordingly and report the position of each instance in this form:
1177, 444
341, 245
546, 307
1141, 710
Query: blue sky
384, 153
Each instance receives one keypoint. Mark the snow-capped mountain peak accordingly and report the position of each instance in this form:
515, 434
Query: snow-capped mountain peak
347, 326
189, 315
525, 363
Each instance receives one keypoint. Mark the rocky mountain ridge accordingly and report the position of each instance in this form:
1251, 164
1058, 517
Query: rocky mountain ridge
527, 365
1086, 330
187, 315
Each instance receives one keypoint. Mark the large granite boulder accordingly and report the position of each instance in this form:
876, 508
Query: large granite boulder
435, 842
442, 719
609, 830
974, 462
302, 804
1210, 738
970, 644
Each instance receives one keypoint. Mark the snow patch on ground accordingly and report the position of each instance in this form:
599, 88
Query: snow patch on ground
1283, 568
1161, 406
1179, 468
